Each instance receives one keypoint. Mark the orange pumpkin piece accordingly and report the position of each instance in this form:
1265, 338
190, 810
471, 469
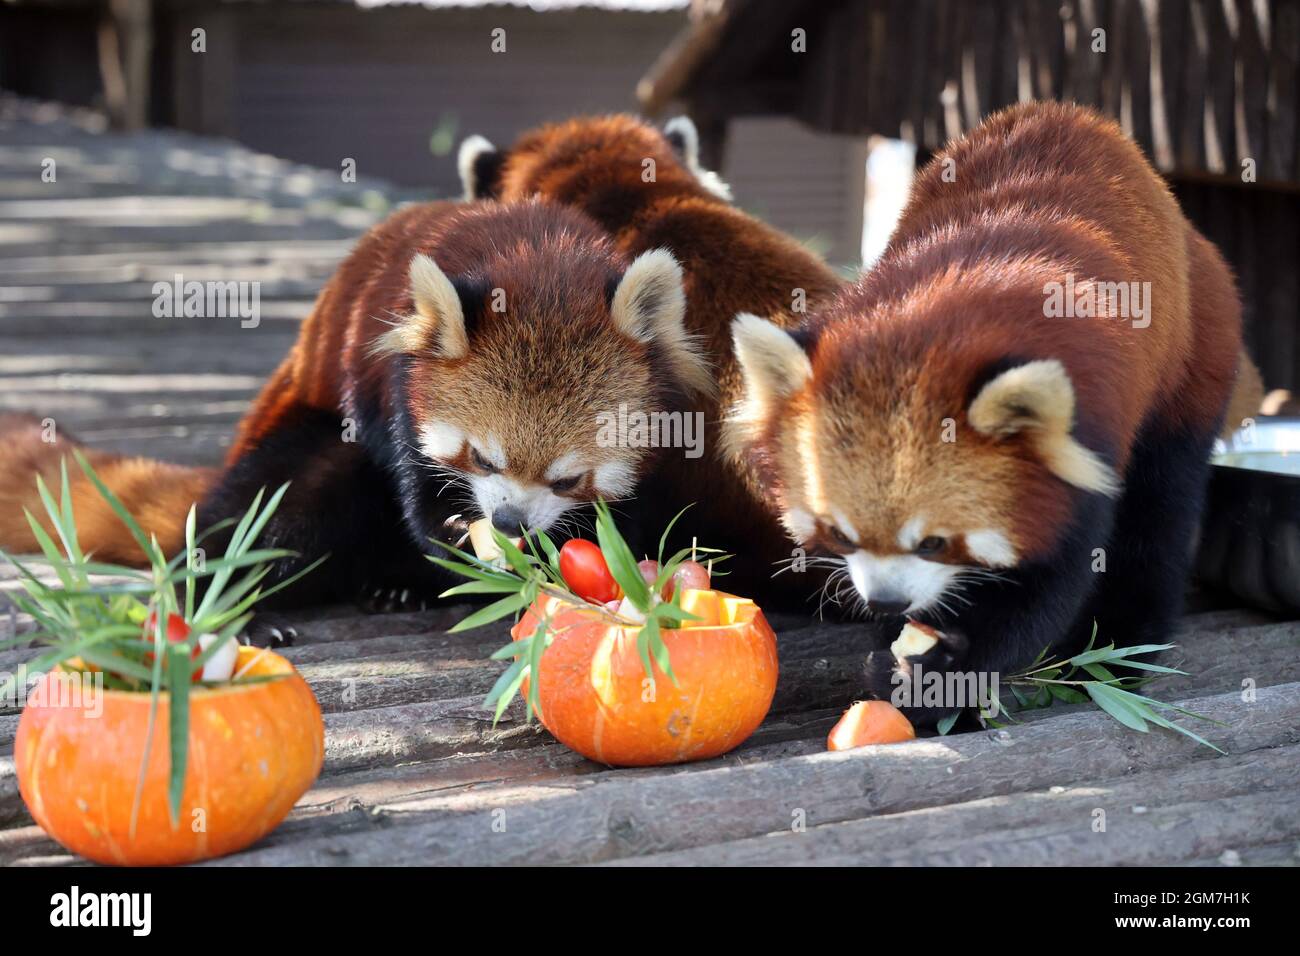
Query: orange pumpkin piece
706, 605
253, 751
870, 722
596, 699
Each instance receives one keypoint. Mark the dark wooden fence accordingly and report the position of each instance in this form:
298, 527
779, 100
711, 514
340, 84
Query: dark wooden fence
1207, 87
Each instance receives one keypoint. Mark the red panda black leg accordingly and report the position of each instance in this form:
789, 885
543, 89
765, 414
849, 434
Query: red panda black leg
1149, 554
339, 503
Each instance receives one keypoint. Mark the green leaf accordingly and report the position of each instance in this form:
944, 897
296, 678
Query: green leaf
659, 649
471, 571
178, 670
1100, 673
537, 644
481, 587
292, 579
1067, 695
1163, 721
505, 689
50, 551
493, 612
514, 557
118, 508
69, 520
663, 539
1112, 702
552, 552
1144, 666
513, 650
945, 724
619, 557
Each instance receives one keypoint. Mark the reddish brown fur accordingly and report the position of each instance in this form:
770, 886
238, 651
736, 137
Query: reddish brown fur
159, 495
537, 385
1041, 190
733, 263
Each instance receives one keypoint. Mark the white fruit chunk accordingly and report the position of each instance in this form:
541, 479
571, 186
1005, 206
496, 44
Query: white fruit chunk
914, 641
630, 612
480, 536
221, 665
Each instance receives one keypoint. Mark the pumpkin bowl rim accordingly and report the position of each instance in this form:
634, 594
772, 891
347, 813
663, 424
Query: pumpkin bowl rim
283, 668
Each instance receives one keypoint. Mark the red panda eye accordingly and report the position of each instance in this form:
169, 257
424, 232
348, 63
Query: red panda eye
931, 545
561, 485
480, 462
840, 538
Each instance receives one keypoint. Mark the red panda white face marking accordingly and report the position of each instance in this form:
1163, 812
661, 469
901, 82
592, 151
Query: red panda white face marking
510, 403
905, 583
855, 449
441, 441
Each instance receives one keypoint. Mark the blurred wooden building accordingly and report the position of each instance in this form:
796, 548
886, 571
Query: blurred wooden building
1207, 87
395, 84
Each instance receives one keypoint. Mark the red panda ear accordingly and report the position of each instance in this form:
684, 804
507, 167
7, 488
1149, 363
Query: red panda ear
479, 164
773, 365
649, 305
438, 322
684, 138
1038, 398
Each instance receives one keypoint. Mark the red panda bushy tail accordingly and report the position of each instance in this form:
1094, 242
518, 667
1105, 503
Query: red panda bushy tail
156, 493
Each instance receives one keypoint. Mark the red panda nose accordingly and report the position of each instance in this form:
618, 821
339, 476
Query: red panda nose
887, 607
508, 520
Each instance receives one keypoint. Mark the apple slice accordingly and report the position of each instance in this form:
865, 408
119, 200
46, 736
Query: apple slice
915, 640
870, 722
484, 544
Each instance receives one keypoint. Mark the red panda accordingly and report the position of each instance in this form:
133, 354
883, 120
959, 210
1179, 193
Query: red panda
158, 495
628, 177
982, 453
457, 361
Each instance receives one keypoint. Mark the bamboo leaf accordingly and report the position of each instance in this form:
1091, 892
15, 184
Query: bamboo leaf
179, 670
619, 557
481, 587
505, 689
537, 644
663, 539
493, 612
118, 508
1108, 699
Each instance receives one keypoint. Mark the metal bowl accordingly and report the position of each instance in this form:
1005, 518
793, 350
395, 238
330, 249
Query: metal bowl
1250, 529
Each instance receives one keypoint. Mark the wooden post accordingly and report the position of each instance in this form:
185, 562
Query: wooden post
125, 49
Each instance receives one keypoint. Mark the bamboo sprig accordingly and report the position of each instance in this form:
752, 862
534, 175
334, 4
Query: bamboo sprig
1052, 680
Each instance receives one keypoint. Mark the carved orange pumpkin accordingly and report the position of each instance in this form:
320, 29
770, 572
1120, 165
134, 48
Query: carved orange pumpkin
253, 751
596, 698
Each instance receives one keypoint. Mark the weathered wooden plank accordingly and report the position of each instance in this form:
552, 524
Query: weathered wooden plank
12, 810
612, 815
1151, 819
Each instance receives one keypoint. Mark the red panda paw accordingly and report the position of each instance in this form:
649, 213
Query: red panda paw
392, 599
269, 630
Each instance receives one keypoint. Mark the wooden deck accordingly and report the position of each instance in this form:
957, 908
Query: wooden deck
415, 773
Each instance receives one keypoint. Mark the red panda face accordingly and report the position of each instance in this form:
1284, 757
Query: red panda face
892, 467
515, 405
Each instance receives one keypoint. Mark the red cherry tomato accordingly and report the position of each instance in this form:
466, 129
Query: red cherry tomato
177, 629
177, 632
584, 570
691, 574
